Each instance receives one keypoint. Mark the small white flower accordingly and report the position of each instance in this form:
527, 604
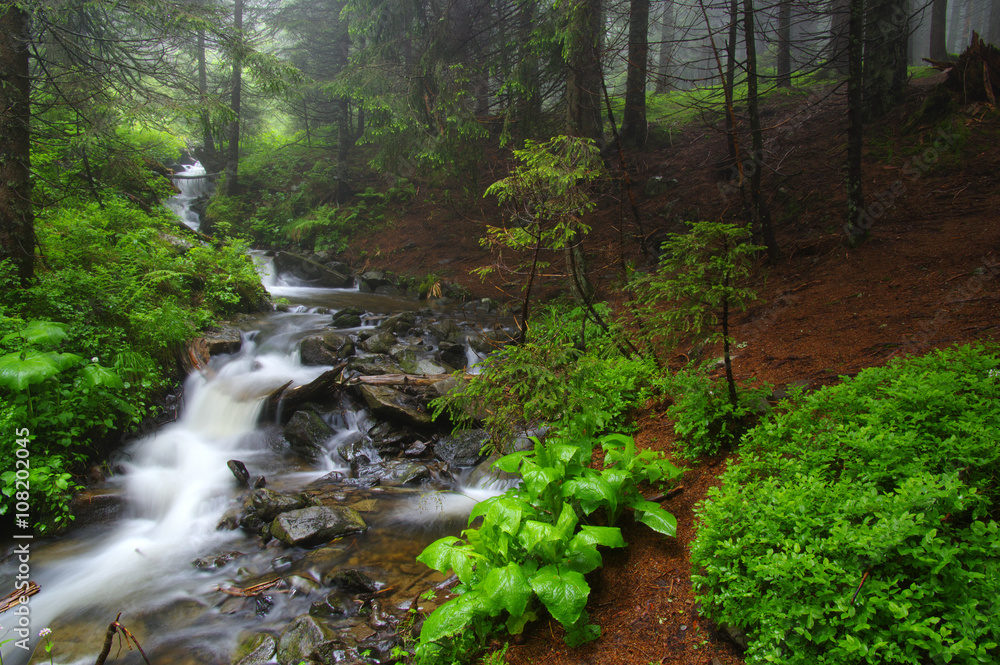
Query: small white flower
94, 359
44, 631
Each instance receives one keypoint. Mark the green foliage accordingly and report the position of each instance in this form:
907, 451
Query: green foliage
84, 349
883, 487
705, 419
532, 548
551, 381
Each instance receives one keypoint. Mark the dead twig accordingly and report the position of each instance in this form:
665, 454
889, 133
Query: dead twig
116, 627
18, 597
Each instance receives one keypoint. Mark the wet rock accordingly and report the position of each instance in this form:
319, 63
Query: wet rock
261, 506
305, 269
317, 524
398, 472
378, 617
452, 354
260, 482
445, 331
337, 603
255, 650
445, 387
224, 340
325, 348
338, 652
300, 638
240, 472
349, 317
359, 453
389, 439
97, 506
369, 281
393, 405
380, 342
462, 449
263, 605
416, 449
218, 561
399, 324
306, 433
352, 580
372, 366
487, 342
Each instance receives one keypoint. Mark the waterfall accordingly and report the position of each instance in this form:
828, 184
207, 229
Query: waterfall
193, 184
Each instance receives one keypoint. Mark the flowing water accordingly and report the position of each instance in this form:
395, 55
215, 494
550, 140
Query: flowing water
175, 488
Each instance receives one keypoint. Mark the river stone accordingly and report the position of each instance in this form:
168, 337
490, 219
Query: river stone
452, 355
263, 505
317, 524
445, 331
489, 341
389, 438
380, 342
352, 580
225, 340
462, 449
405, 356
389, 404
306, 433
371, 280
300, 638
399, 323
311, 271
372, 366
349, 317
397, 472
325, 348
335, 604
446, 387
255, 650
359, 453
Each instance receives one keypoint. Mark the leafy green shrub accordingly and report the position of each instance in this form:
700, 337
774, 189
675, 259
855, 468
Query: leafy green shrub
705, 419
551, 381
860, 526
531, 550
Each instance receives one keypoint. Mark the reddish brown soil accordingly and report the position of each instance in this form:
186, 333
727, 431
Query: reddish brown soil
925, 279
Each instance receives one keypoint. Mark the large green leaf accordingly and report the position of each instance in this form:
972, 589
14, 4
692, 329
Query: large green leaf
94, 375
564, 593
655, 517
537, 478
592, 491
450, 553
452, 617
507, 588
591, 536
512, 462
39, 333
534, 532
18, 373
506, 513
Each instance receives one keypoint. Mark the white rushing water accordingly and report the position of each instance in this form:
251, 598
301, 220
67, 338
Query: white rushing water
193, 184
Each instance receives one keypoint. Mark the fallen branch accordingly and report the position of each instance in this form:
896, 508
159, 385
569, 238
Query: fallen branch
250, 590
115, 627
402, 379
14, 598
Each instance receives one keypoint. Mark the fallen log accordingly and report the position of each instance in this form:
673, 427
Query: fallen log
14, 598
401, 379
286, 400
976, 74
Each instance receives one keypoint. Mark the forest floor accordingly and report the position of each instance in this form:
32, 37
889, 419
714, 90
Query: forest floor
925, 279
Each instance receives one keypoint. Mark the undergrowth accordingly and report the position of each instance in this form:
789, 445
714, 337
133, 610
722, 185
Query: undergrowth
860, 525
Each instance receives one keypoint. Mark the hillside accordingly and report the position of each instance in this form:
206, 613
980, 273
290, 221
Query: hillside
925, 279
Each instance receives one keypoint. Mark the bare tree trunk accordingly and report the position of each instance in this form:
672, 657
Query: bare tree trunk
633, 130
663, 69
233, 149
583, 82
939, 33
208, 142
17, 218
885, 75
761, 211
993, 33
837, 47
785, 44
857, 226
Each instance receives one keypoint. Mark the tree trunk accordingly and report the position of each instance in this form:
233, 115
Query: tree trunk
17, 220
344, 140
583, 82
885, 76
633, 130
729, 86
857, 226
993, 32
785, 44
208, 142
939, 33
761, 211
838, 47
663, 69
233, 150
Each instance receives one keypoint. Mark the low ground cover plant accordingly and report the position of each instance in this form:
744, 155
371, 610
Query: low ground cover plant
860, 525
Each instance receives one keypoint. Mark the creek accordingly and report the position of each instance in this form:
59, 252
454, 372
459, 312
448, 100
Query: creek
151, 548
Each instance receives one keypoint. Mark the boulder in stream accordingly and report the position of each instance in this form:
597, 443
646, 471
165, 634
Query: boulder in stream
306, 433
394, 405
399, 324
380, 342
300, 638
371, 280
325, 348
257, 649
315, 273
349, 317
315, 525
462, 449
261, 506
